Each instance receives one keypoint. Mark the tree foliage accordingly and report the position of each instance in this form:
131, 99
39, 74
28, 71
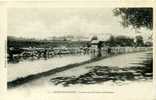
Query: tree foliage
25, 42
120, 41
136, 17
139, 40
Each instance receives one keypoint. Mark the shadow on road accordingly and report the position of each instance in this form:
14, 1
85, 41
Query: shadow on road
101, 74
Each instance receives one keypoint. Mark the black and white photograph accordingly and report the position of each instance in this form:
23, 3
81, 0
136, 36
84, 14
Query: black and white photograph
80, 50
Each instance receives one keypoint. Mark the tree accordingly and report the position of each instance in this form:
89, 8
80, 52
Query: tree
111, 41
124, 41
136, 17
120, 41
94, 38
139, 40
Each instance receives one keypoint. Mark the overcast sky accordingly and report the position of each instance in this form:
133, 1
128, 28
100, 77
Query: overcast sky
47, 22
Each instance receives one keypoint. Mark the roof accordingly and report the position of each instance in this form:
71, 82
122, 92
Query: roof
94, 41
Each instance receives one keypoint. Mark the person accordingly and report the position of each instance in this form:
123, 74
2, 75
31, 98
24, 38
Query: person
45, 54
99, 45
109, 50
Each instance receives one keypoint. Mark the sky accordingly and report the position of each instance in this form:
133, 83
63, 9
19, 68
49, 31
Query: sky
47, 22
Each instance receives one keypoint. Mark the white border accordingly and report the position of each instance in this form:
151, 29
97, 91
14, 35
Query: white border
63, 4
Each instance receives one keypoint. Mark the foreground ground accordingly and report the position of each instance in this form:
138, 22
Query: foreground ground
26, 68
126, 76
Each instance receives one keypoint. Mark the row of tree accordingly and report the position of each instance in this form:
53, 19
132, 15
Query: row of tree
112, 41
125, 41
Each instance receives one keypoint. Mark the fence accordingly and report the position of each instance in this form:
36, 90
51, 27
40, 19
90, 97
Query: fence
38, 53
106, 51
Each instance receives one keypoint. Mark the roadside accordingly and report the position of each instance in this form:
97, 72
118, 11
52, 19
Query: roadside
117, 62
131, 89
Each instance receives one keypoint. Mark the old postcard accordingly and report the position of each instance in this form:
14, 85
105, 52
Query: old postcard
76, 50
